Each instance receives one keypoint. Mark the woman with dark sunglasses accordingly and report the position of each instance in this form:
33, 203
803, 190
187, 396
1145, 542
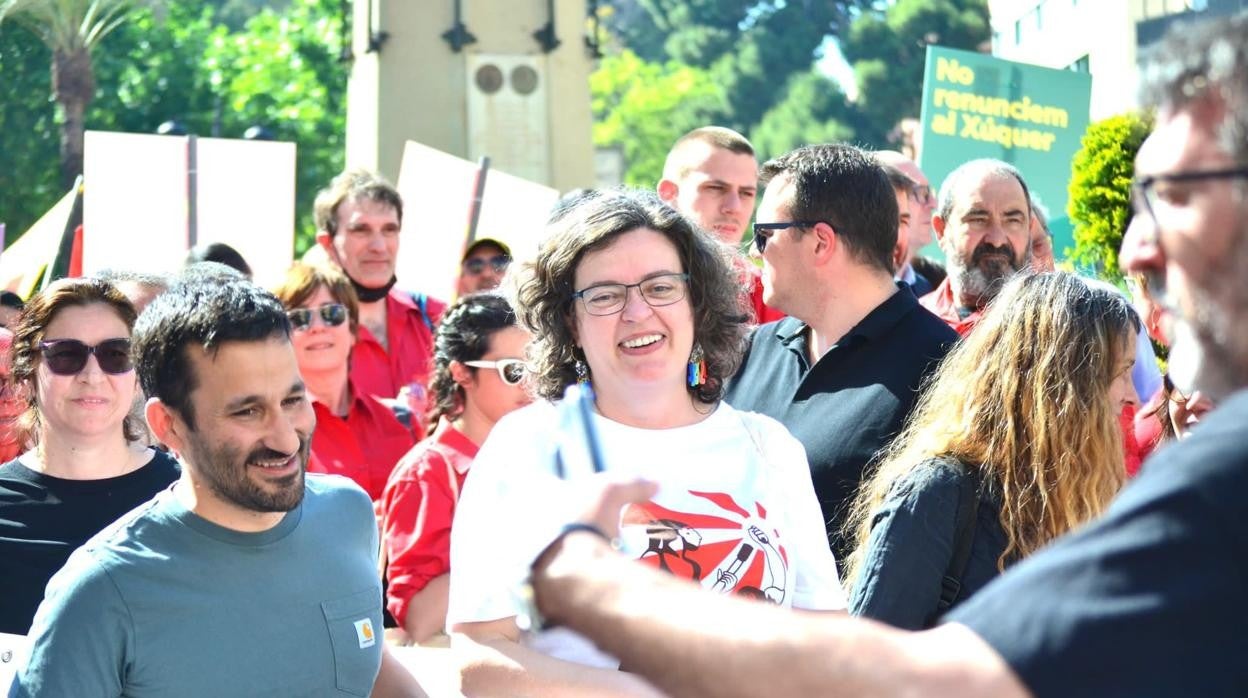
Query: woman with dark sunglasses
357, 435
71, 359
478, 376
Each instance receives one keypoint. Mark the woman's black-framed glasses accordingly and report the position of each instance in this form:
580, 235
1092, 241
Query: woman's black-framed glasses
764, 231
512, 371
657, 291
67, 357
1145, 188
332, 314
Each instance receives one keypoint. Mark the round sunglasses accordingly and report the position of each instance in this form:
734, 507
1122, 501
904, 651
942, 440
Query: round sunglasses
331, 314
510, 370
67, 357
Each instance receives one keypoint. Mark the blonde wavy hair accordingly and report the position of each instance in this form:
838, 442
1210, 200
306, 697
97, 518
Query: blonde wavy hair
1024, 401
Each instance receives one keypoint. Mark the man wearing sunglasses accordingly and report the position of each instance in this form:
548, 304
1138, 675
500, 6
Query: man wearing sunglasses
244, 578
1147, 601
843, 370
484, 264
359, 217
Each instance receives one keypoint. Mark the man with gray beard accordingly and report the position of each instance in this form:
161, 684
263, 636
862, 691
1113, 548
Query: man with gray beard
983, 224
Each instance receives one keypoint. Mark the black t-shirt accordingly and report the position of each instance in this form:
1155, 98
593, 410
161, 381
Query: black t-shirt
852, 402
44, 518
1151, 600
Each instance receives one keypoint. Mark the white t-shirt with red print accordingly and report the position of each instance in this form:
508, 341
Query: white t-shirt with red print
736, 512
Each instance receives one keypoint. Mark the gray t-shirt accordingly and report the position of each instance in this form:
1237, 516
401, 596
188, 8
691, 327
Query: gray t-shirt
165, 603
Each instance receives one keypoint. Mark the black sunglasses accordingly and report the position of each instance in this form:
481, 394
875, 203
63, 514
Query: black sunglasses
332, 314
476, 265
67, 357
764, 231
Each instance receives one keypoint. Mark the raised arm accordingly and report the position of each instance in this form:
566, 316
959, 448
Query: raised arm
690, 643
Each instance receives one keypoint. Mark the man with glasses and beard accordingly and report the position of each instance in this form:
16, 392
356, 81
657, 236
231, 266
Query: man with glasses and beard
246, 577
983, 224
1146, 601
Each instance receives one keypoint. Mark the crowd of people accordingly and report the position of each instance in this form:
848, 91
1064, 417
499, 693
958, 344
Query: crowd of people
210, 488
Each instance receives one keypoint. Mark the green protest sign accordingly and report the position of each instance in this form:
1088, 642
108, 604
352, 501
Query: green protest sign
977, 106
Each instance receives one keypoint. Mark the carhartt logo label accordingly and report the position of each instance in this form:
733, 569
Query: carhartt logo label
364, 633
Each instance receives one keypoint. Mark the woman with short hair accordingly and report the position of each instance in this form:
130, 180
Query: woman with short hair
627, 296
357, 435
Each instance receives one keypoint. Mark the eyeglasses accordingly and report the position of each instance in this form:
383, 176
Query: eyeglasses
764, 231
512, 371
1144, 189
332, 315
476, 265
67, 357
657, 291
923, 194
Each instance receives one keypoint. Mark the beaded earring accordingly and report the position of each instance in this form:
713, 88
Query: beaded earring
582, 372
697, 367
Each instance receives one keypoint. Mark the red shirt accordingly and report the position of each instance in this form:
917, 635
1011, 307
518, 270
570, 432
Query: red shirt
417, 509
763, 313
940, 301
376, 371
364, 447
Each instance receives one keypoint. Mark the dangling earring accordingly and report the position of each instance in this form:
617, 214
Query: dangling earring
697, 367
582, 372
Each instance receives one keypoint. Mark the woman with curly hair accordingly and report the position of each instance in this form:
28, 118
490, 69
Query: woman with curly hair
1014, 442
629, 297
477, 377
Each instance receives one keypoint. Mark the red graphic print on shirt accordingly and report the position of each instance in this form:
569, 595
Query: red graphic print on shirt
723, 545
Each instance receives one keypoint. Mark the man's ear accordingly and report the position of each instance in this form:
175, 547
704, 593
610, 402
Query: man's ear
938, 225
166, 426
326, 241
667, 190
826, 242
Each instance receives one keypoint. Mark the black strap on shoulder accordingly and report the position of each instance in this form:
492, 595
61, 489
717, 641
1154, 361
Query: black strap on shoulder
964, 536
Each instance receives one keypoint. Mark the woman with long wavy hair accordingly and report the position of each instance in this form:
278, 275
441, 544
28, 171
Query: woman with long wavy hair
1018, 430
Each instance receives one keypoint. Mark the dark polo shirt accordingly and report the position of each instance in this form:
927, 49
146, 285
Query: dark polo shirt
848, 405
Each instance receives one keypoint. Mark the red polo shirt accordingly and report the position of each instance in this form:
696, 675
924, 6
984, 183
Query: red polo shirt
940, 301
763, 313
364, 447
417, 509
376, 371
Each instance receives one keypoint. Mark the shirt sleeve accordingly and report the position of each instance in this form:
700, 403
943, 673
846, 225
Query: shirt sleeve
82, 638
419, 509
909, 549
817, 586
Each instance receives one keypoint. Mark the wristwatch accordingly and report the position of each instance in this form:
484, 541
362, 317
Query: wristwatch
530, 619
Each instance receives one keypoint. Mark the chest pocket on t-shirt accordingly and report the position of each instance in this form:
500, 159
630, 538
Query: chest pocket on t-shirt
354, 624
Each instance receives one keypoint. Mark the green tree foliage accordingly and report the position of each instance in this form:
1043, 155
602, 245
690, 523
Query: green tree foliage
813, 110
71, 29
750, 47
1100, 190
642, 107
29, 181
180, 61
888, 48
